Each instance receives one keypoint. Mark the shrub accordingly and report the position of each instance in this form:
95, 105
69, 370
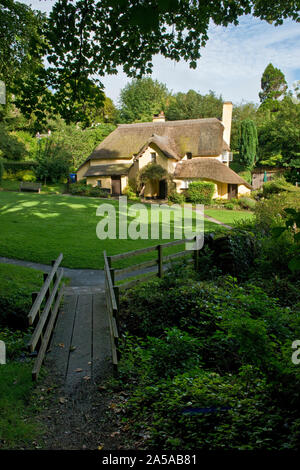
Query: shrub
25, 175
229, 206
247, 203
233, 252
53, 162
11, 146
277, 186
201, 192
15, 167
82, 189
16, 342
176, 198
96, 192
270, 212
130, 193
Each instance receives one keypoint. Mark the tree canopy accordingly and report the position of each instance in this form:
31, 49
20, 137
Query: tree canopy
193, 105
141, 99
274, 87
248, 143
83, 39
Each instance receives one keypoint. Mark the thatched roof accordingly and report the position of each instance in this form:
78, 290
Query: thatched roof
198, 136
208, 168
108, 170
164, 143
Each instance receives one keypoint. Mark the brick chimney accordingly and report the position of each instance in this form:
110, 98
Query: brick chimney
226, 120
159, 117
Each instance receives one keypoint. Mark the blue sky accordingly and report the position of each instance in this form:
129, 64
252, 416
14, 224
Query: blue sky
231, 63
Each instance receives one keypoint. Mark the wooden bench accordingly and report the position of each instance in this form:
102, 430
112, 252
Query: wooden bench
29, 186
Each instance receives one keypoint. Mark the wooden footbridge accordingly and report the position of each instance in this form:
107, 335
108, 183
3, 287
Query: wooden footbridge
76, 328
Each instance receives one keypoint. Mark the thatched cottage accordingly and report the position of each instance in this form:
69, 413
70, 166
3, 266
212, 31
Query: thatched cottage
193, 149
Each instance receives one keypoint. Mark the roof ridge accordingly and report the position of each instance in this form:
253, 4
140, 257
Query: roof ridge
166, 123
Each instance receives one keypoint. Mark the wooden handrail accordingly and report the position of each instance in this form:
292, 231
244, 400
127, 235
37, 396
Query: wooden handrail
160, 265
40, 297
46, 320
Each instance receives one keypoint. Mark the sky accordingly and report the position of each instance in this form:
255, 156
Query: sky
231, 64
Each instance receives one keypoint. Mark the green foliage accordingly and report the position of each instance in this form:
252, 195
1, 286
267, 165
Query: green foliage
200, 192
240, 113
95, 38
1, 170
12, 167
218, 359
176, 198
25, 175
277, 186
53, 162
77, 142
248, 143
11, 147
83, 189
141, 99
193, 105
131, 193
151, 171
292, 225
281, 135
16, 286
273, 86
16, 342
247, 203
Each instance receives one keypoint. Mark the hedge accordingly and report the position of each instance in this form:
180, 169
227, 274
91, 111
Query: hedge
14, 167
201, 192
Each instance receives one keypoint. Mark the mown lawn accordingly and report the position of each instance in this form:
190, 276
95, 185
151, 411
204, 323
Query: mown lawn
37, 227
228, 216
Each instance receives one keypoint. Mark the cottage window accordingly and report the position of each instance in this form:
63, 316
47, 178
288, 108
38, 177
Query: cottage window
99, 183
153, 157
185, 184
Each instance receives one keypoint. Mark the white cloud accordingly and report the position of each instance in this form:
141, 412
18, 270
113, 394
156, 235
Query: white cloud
232, 61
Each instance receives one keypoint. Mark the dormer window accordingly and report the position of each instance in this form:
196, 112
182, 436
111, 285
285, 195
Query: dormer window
188, 155
153, 157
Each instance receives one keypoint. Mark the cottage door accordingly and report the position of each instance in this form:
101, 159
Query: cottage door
116, 185
232, 190
163, 189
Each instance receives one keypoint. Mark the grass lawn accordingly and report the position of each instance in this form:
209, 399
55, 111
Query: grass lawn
16, 286
228, 216
38, 227
14, 279
17, 426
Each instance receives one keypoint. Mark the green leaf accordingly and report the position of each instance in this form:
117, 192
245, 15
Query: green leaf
277, 231
294, 264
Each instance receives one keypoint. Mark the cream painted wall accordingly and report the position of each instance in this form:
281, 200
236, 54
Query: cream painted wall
167, 163
105, 181
124, 182
243, 190
81, 172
